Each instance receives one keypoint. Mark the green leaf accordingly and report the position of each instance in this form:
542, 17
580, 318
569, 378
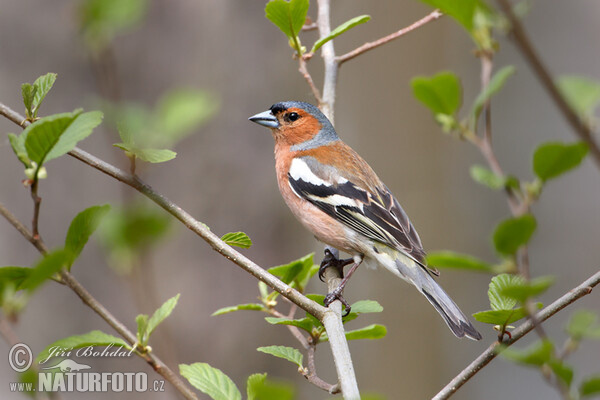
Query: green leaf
43, 84
53, 136
82, 227
366, 306
149, 155
502, 317
583, 324
287, 16
339, 30
18, 145
441, 93
142, 324
513, 233
211, 381
239, 239
590, 386
521, 291
45, 269
374, 331
288, 353
160, 315
562, 370
239, 307
582, 94
303, 323
554, 158
270, 390
496, 83
450, 259
93, 338
289, 272
28, 93
463, 11
14, 276
498, 301
538, 354
254, 384
487, 178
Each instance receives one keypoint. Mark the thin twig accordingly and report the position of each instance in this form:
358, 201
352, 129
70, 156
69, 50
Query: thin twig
304, 71
311, 375
529, 53
434, 15
22, 229
490, 353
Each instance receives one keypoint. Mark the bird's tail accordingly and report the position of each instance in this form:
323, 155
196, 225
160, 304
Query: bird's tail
414, 273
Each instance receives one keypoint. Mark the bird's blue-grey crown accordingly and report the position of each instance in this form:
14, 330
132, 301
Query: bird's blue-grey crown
327, 133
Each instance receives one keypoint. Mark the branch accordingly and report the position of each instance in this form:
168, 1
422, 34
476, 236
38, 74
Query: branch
329, 60
524, 45
488, 355
304, 71
434, 15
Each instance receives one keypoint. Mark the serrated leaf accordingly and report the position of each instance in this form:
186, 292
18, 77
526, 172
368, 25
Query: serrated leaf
487, 178
14, 276
254, 384
552, 159
288, 353
582, 94
497, 300
149, 155
82, 227
287, 16
339, 30
563, 371
239, 307
43, 84
238, 239
537, 354
160, 315
441, 93
513, 233
28, 93
450, 259
496, 83
521, 291
590, 386
53, 136
93, 338
463, 11
211, 381
583, 324
17, 143
303, 323
45, 269
502, 317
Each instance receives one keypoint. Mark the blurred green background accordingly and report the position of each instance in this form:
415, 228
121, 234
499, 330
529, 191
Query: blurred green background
233, 63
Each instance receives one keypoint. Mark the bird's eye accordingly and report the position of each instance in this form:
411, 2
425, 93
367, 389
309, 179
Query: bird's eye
293, 116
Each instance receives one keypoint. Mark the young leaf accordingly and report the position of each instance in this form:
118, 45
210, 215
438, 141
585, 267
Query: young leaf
441, 93
42, 86
287, 16
45, 269
142, 324
82, 227
487, 178
450, 259
288, 353
582, 94
226, 310
304, 323
374, 331
521, 291
366, 306
254, 384
339, 30
537, 354
496, 83
497, 300
269, 390
288, 272
149, 155
239, 239
211, 381
502, 317
28, 93
161, 314
562, 370
513, 233
14, 276
554, 158
18, 145
462, 11
583, 324
93, 338
590, 386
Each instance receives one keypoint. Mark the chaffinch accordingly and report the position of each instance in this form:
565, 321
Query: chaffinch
334, 193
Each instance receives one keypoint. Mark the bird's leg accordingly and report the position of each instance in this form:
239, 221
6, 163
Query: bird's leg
332, 261
336, 294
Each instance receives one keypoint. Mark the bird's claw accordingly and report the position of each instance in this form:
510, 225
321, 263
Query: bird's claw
336, 294
331, 261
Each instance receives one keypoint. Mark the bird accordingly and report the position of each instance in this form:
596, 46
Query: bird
337, 196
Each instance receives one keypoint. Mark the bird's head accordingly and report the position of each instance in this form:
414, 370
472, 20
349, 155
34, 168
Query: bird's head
300, 125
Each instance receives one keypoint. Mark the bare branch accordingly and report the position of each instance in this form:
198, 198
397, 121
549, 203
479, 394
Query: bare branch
488, 355
304, 71
529, 53
434, 15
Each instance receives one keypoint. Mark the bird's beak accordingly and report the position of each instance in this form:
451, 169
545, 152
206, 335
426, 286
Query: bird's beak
265, 118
